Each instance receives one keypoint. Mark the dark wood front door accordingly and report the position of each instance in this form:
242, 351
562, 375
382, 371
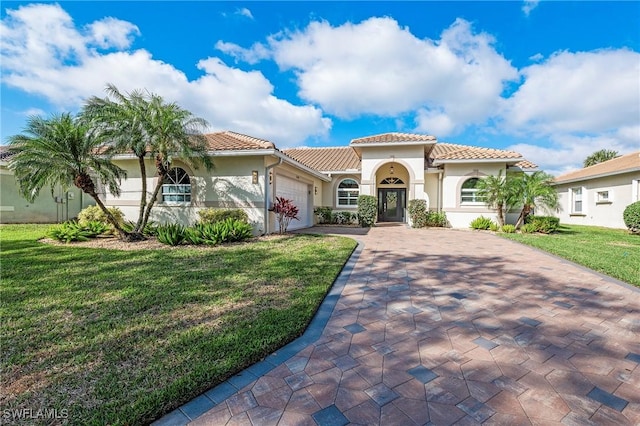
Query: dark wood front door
391, 204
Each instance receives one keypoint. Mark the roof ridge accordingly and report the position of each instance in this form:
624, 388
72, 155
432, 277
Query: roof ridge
252, 139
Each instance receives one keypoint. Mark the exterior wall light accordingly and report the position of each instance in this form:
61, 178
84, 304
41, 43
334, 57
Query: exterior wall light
254, 177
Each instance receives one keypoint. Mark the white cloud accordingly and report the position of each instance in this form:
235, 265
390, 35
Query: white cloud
244, 12
377, 67
111, 32
253, 55
44, 54
529, 5
34, 111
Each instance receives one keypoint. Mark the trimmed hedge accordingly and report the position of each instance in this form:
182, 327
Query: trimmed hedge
543, 224
95, 214
631, 217
367, 210
211, 215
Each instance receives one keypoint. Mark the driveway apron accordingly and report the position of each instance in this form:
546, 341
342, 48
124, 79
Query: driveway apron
441, 326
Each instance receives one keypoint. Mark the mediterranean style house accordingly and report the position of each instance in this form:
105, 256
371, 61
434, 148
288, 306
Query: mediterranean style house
597, 195
395, 167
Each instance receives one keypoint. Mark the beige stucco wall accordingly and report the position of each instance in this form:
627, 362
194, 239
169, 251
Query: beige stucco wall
461, 215
16, 209
622, 192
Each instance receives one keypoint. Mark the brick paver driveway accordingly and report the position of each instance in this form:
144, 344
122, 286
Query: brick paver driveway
453, 327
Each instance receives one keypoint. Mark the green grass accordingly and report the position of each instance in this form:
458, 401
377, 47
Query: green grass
612, 252
122, 337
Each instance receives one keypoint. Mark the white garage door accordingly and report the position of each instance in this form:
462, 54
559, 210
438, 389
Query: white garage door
297, 192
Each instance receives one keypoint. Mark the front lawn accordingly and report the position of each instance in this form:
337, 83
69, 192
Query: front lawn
613, 252
122, 337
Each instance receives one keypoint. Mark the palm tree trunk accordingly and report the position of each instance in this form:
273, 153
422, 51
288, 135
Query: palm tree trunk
523, 214
500, 214
143, 198
162, 172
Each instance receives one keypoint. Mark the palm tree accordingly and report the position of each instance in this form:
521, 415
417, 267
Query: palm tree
533, 190
600, 156
143, 124
173, 132
62, 151
496, 191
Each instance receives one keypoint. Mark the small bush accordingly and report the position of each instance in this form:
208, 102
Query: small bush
543, 224
367, 210
482, 223
285, 212
343, 218
95, 228
631, 217
211, 215
68, 232
529, 228
508, 229
418, 213
494, 227
172, 234
438, 219
95, 214
324, 214
150, 229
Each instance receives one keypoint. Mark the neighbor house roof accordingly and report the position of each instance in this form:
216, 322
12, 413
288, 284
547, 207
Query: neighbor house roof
326, 159
393, 138
623, 164
5, 153
232, 141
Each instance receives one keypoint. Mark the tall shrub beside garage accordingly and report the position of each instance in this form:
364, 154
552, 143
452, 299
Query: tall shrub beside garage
631, 217
367, 210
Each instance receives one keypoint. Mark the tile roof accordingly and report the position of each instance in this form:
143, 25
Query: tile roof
326, 159
4, 152
526, 164
449, 151
626, 163
394, 137
232, 141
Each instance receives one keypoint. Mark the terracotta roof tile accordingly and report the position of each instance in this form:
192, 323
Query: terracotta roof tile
393, 138
231, 141
449, 151
626, 163
326, 159
526, 164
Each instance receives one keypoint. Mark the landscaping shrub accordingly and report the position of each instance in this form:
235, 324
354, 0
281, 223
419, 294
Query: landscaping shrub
508, 229
529, 228
438, 219
285, 212
68, 232
367, 210
482, 223
150, 229
494, 227
343, 218
631, 217
418, 213
211, 215
544, 224
325, 215
95, 214
172, 234
95, 228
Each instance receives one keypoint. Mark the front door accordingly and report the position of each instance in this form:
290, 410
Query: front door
391, 204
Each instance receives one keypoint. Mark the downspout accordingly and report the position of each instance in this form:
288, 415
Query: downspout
266, 194
439, 197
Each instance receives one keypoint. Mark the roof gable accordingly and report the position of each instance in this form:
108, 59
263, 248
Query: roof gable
393, 138
625, 163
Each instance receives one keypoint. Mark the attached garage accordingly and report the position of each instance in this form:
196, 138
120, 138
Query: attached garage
299, 193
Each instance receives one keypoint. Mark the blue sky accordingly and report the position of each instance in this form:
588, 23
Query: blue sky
554, 81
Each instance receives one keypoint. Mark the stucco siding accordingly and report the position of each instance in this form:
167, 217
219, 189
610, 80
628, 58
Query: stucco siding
596, 212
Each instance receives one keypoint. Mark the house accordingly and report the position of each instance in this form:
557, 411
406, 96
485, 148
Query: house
63, 204
395, 167
597, 195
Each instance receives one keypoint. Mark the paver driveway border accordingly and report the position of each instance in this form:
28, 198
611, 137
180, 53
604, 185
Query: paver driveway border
565, 347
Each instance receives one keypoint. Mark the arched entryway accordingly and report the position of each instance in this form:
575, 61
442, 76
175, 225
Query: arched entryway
392, 183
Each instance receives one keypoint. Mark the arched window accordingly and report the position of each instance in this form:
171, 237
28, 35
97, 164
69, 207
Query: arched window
469, 191
348, 191
176, 186
392, 181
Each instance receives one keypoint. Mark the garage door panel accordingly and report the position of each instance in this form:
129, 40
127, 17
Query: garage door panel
297, 192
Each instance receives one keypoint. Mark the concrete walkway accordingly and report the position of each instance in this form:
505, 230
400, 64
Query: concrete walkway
445, 327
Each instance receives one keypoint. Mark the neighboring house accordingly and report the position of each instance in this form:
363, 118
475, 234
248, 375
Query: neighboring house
395, 167
597, 195
47, 208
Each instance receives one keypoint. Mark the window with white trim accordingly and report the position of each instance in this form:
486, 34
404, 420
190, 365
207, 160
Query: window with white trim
469, 192
176, 187
576, 200
347, 194
603, 197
